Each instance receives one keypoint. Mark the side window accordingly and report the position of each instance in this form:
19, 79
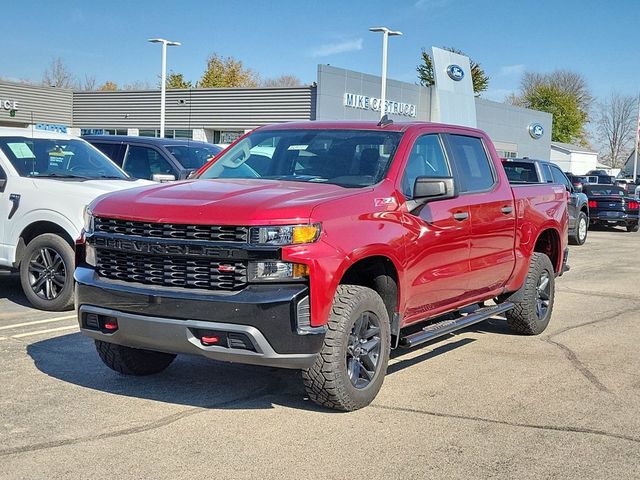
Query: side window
427, 159
560, 178
111, 150
472, 163
546, 171
144, 162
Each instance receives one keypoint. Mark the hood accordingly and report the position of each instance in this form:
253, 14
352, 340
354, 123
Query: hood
83, 192
221, 201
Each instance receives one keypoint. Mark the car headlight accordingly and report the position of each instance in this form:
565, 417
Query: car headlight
285, 234
87, 215
274, 271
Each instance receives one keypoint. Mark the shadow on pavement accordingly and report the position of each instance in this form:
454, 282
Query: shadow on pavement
190, 380
11, 290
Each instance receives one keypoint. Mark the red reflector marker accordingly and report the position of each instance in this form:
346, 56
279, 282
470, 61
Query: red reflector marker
111, 325
212, 340
593, 204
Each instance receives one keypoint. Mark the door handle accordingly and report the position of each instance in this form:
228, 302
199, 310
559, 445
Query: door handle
460, 216
506, 210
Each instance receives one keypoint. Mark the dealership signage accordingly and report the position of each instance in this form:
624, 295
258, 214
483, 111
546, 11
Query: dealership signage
8, 104
50, 127
455, 72
365, 102
536, 131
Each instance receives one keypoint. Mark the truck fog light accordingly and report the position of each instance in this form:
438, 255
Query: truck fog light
273, 271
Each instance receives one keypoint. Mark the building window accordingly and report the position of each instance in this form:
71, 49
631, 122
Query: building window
507, 154
167, 133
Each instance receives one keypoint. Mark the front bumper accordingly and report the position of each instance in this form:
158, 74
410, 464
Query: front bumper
173, 320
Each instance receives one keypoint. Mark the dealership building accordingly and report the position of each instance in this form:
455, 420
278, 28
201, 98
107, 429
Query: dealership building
219, 115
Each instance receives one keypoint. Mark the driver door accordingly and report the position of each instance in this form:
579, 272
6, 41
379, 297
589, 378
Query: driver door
437, 245
5, 207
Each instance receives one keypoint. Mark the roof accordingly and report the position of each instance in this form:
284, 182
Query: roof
147, 140
33, 133
571, 148
361, 125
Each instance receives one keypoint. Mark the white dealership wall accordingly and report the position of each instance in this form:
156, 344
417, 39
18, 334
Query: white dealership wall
573, 158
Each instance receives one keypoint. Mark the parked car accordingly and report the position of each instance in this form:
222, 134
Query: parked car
528, 170
578, 181
157, 159
610, 205
627, 184
46, 180
355, 232
602, 177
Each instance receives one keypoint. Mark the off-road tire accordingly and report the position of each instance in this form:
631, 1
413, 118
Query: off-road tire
523, 318
327, 382
575, 238
133, 361
61, 249
632, 228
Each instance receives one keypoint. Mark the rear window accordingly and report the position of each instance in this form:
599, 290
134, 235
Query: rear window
521, 172
603, 191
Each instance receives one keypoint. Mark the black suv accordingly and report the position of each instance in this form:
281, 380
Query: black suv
158, 159
528, 170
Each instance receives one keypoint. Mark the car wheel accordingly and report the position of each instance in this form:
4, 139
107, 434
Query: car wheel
46, 273
632, 228
350, 368
534, 301
133, 361
582, 227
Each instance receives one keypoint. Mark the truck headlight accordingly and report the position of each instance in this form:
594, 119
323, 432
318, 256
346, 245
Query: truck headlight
87, 215
274, 271
285, 234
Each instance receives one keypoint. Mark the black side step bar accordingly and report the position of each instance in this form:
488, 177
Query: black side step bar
445, 327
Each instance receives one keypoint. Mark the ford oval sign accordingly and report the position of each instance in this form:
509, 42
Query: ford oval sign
455, 73
536, 130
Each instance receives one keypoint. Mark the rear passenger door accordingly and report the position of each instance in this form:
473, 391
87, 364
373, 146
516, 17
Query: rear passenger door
559, 178
491, 213
145, 162
115, 151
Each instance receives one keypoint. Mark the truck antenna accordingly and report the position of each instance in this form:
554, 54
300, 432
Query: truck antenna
384, 121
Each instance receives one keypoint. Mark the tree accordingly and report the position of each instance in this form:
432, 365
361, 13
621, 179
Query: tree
227, 72
89, 83
570, 90
176, 80
137, 85
282, 81
615, 126
58, 75
108, 86
425, 72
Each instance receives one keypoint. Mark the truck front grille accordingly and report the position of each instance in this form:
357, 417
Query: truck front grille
171, 271
216, 233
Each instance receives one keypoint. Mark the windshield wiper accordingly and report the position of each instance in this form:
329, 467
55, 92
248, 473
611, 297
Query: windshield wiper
114, 177
58, 175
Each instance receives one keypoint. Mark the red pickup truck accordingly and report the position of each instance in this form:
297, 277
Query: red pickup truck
320, 246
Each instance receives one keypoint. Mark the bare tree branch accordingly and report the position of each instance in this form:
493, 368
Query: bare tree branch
615, 121
58, 75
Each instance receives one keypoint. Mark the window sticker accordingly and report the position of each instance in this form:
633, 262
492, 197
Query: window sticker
21, 150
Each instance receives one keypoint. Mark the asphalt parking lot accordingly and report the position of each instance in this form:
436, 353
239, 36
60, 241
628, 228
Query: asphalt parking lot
480, 404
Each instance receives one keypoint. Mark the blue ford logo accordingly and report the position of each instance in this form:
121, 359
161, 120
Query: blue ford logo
455, 73
536, 130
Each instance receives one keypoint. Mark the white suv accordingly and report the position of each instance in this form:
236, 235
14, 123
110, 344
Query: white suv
46, 179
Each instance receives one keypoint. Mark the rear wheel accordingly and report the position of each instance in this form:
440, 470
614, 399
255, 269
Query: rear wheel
582, 226
632, 227
349, 370
133, 361
534, 301
46, 272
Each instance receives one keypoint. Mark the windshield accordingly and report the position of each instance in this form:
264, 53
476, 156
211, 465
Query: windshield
349, 158
193, 156
45, 157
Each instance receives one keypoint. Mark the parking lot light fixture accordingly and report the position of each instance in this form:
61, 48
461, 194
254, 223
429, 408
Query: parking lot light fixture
386, 33
163, 79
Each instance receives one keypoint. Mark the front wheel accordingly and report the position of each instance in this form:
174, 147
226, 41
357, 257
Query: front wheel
632, 227
534, 301
46, 272
349, 370
582, 226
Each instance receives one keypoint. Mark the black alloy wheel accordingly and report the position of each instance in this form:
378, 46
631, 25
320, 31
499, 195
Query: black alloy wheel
47, 273
543, 297
363, 350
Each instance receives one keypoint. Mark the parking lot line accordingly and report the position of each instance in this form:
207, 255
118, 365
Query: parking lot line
40, 332
37, 322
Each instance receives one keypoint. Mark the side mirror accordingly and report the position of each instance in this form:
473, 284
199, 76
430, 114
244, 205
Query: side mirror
433, 188
190, 173
163, 178
429, 189
3, 184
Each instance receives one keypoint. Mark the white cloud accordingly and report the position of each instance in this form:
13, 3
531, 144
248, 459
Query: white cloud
338, 47
511, 70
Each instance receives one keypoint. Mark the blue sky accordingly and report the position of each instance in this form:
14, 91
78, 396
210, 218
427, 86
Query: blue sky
599, 39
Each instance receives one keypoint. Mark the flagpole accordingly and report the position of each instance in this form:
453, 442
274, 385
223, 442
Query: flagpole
635, 150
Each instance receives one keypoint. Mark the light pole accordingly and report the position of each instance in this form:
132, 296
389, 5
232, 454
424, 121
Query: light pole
163, 85
386, 33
